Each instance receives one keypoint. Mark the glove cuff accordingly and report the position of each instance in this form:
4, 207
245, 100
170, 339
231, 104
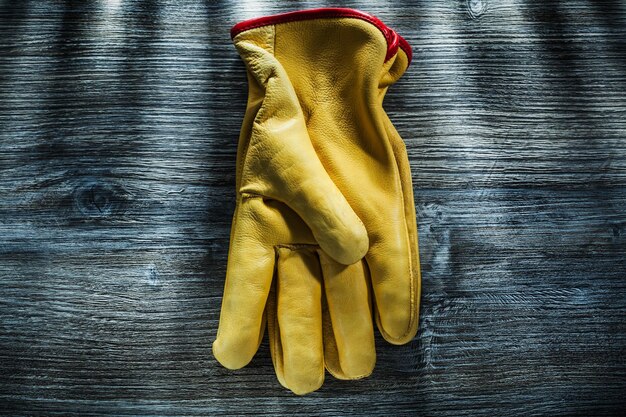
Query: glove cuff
394, 41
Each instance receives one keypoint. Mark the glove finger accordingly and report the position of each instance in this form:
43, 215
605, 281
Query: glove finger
285, 166
393, 258
248, 279
296, 326
349, 350
394, 285
412, 276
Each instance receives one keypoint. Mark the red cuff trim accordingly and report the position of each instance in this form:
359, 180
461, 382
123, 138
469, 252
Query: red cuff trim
393, 39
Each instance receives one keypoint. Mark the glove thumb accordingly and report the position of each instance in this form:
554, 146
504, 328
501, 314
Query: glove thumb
280, 161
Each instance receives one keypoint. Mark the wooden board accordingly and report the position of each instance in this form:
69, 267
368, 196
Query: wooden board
118, 132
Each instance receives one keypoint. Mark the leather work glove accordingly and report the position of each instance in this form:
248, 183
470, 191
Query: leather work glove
324, 235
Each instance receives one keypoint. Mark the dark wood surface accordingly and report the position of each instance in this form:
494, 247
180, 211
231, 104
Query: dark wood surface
118, 131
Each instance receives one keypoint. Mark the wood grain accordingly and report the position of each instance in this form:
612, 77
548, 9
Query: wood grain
118, 130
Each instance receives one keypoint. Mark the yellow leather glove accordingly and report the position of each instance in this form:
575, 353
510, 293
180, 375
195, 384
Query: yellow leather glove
325, 218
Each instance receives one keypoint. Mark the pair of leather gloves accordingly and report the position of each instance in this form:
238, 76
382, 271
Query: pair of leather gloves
324, 237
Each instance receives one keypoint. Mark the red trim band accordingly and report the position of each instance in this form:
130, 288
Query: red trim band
404, 45
393, 39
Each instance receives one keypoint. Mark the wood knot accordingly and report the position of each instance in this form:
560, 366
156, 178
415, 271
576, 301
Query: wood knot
152, 276
99, 198
476, 8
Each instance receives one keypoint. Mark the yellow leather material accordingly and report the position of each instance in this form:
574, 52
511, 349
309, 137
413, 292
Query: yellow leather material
324, 236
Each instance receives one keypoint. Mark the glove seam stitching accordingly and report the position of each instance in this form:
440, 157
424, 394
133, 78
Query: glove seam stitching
298, 246
246, 195
412, 286
348, 378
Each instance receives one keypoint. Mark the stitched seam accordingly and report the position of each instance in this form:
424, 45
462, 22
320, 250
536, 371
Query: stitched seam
298, 246
349, 378
275, 326
246, 195
408, 241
